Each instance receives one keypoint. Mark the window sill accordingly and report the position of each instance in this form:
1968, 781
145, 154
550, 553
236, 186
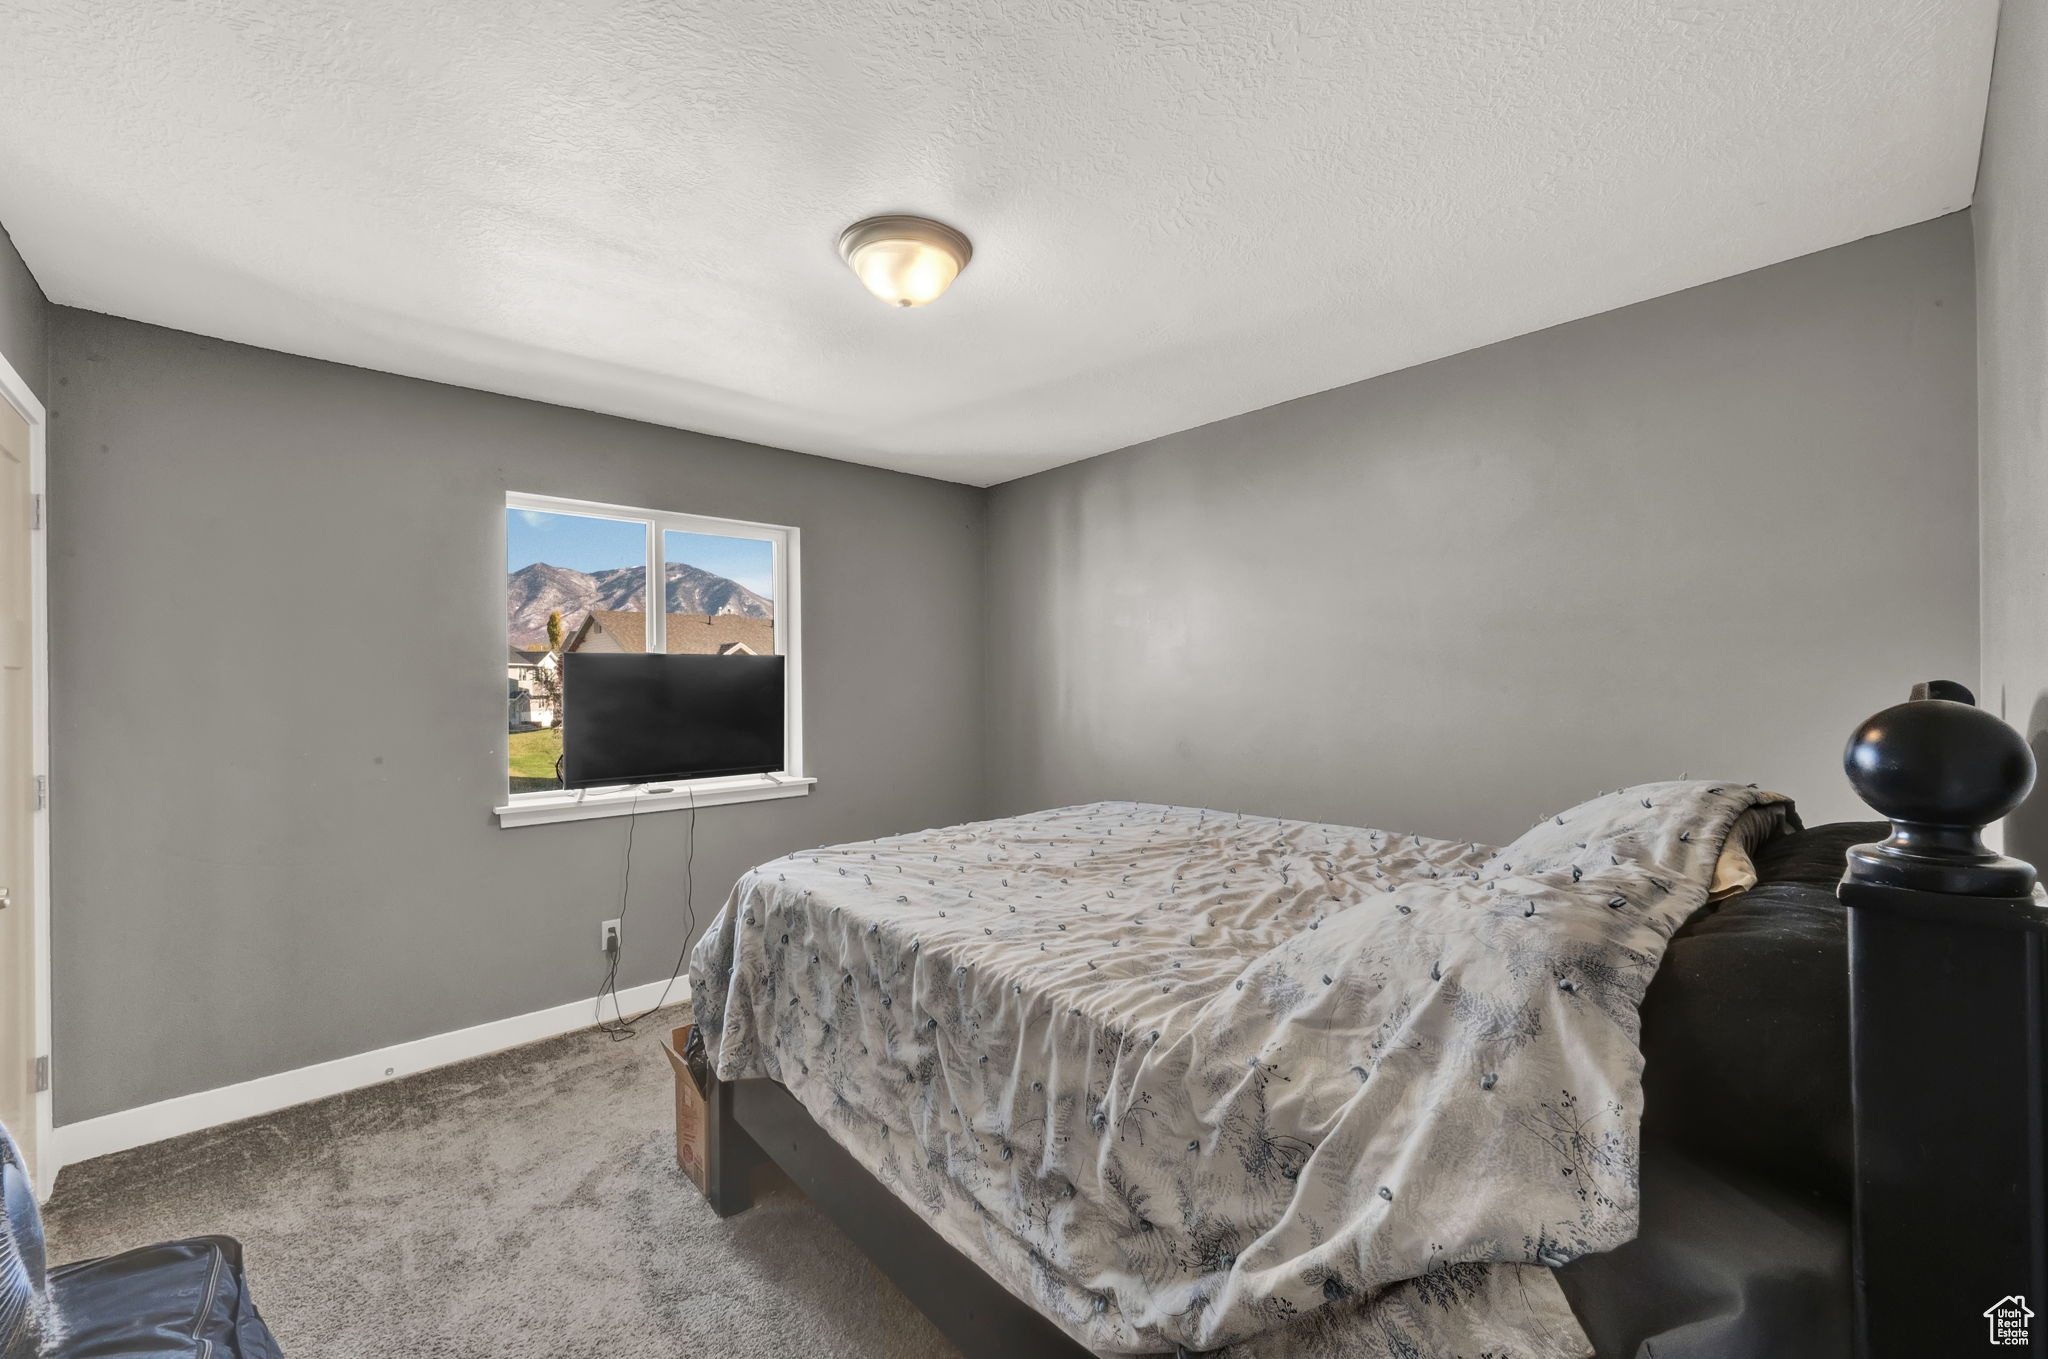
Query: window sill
541, 809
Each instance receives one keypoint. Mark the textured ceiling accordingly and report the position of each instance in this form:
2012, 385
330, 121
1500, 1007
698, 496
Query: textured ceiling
1181, 209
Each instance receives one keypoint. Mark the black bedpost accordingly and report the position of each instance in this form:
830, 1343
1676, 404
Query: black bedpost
1946, 1040
731, 1156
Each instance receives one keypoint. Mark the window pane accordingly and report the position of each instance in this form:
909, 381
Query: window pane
721, 595
572, 582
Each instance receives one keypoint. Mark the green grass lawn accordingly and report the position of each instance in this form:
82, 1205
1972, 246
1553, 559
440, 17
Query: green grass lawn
534, 753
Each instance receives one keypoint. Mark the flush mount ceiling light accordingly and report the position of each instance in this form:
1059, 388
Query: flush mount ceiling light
905, 261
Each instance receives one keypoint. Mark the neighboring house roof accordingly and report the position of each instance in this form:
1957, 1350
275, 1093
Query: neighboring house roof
689, 634
521, 656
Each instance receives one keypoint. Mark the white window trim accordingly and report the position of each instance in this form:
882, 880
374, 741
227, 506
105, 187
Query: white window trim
539, 809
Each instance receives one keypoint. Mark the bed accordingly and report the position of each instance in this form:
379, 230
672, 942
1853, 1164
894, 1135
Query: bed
1131, 1079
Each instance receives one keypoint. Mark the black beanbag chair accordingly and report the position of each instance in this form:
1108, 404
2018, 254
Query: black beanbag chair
177, 1300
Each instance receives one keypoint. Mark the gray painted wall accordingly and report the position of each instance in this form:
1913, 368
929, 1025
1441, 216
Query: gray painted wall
2010, 216
277, 586
1455, 598
24, 320
1446, 600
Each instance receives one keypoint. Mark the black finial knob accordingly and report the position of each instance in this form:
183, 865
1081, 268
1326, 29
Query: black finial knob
1941, 770
1949, 689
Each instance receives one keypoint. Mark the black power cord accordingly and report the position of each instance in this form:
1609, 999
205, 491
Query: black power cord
619, 1028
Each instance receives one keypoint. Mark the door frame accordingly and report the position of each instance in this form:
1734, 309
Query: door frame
15, 391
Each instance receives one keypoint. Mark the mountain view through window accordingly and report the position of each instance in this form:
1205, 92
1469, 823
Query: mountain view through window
578, 582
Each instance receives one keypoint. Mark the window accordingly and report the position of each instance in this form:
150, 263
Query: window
576, 577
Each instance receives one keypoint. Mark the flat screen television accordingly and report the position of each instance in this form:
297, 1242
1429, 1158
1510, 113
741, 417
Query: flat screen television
642, 719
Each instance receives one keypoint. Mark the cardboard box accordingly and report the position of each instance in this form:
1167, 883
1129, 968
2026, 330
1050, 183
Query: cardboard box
689, 1109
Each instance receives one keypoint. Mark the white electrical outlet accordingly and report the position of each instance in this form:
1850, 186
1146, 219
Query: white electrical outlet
608, 936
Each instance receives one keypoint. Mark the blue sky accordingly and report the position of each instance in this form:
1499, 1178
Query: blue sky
585, 544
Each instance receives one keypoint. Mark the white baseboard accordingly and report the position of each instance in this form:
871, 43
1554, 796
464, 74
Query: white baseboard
75, 1142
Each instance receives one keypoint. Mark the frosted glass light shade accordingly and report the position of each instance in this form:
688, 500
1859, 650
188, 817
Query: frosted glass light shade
905, 261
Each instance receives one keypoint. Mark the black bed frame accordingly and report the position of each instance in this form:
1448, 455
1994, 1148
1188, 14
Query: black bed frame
1948, 1051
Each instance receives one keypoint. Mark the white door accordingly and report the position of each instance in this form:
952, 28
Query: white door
20, 980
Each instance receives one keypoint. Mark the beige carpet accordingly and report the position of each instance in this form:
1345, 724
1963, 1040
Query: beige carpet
521, 1206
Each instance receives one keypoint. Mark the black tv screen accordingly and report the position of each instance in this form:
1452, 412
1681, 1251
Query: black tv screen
643, 719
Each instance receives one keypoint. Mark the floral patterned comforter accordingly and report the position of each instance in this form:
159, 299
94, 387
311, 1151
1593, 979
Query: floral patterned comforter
1182, 1077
